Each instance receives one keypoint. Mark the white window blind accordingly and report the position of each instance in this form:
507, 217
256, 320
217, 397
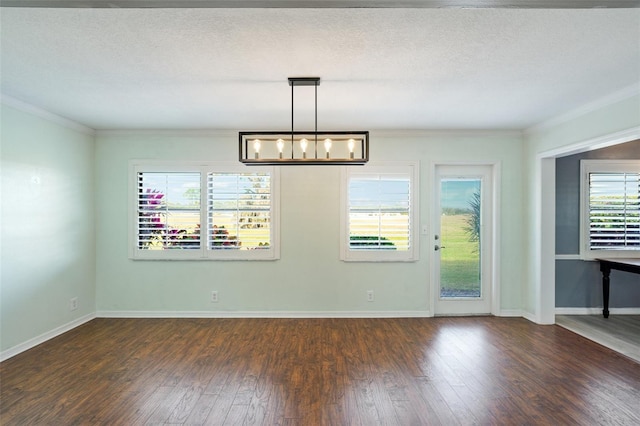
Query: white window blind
379, 205
239, 211
379, 212
614, 211
202, 211
168, 211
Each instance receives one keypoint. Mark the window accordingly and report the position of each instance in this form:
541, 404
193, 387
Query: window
239, 213
379, 206
168, 210
238, 210
610, 208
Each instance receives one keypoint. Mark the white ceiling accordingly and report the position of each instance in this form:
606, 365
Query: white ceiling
382, 68
549, 4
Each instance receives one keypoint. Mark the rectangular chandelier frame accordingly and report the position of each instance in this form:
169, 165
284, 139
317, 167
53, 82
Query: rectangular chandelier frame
286, 148
304, 148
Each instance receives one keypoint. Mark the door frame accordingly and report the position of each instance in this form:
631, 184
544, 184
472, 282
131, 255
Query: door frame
494, 247
543, 261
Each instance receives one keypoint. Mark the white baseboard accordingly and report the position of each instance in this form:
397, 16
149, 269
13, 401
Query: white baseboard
4, 355
510, 313
568, 257
263, 314
597, 311
529, 316
275, 314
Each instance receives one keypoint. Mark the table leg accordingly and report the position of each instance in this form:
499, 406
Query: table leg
606, 271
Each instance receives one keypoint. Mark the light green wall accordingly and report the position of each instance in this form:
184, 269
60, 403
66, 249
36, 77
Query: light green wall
55, 181
309, 275
47, 228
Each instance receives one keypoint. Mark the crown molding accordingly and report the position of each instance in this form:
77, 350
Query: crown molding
44, 114
599, 142
383, 133
169, 132
605, 101
446, 133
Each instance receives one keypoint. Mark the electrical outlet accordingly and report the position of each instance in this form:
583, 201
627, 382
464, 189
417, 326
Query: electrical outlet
73, 304
369, 295
214, 296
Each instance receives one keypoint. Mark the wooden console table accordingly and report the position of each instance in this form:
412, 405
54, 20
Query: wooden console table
606, 265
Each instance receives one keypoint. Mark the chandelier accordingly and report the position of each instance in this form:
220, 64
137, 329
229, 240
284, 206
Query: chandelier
304, 147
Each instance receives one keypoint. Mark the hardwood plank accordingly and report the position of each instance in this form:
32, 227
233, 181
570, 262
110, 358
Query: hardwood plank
236, 415
365, 402
185, 405
346, 406
479, 370
224, 403
437, 403
156, 401
275, 410
201, 409
406, 413
461, 412
259, 403
168, 401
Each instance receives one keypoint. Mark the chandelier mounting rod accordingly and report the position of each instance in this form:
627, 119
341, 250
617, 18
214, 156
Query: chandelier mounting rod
306, 81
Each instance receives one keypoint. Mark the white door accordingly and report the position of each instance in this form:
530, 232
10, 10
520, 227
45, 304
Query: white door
461, 243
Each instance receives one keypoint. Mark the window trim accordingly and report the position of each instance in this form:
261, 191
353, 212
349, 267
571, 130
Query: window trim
413, 170
600, 166
203, 253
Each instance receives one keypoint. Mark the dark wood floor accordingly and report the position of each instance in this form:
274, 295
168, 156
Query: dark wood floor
411, 371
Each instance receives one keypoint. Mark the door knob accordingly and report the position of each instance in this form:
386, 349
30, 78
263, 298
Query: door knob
437, 247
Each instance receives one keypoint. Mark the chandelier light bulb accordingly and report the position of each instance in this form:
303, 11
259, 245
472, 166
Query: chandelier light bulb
351, 144
327, 146
303, 145
256, 147
280, 144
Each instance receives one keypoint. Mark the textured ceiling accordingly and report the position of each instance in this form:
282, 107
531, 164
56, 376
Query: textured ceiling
380, 68
326, 3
